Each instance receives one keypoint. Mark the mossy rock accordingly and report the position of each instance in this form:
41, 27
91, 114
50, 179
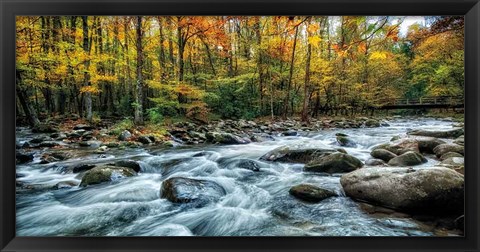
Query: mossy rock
334, 163
106, 173
427, 190
310, 193
408, 159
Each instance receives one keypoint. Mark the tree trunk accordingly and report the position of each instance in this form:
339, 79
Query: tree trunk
307, 80
86, 75
259, 60
290, 74
23, 98
139, 96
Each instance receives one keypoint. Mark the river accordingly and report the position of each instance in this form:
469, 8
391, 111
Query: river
255, 204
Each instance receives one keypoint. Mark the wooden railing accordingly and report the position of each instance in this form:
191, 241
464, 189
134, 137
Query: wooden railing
429, 101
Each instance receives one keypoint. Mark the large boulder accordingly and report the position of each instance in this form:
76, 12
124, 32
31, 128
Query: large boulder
427, 190
454, 133
445, 148
184, 190
296, 154
106, 173
310, 193
334, 163
408, 159
225, 138
400, 146
383, 154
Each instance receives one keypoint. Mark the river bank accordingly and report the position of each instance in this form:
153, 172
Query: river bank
257, 178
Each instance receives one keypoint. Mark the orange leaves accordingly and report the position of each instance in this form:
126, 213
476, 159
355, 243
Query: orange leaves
362, 48
393, 34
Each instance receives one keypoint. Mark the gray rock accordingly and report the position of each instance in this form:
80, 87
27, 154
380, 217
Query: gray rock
454, 133
334, 163
125, 135
449, 155
296, 154
383, 154
310, 193
105, 173
431, 190
445, 148
408, 159
185, 190
455, 163
427, 144
400, 146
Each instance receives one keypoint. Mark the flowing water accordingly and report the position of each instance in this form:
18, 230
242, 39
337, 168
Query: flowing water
255, 204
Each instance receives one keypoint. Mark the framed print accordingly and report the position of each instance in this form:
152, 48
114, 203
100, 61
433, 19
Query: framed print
240, 125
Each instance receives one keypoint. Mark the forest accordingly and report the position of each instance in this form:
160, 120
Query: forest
215, 67
240, 126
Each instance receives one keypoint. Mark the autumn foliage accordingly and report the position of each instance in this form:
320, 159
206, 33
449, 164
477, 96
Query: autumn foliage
231, 67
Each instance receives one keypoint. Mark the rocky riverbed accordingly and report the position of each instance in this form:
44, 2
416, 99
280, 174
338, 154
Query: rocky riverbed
342, 177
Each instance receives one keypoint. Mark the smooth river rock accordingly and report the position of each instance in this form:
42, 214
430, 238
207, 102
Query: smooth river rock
383, 154
408, 159
106, 173
427, 190
398, 147
445, 148
334, 163
296, 154
310, 193
184, 190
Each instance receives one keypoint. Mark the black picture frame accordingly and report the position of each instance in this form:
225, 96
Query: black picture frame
11, 8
